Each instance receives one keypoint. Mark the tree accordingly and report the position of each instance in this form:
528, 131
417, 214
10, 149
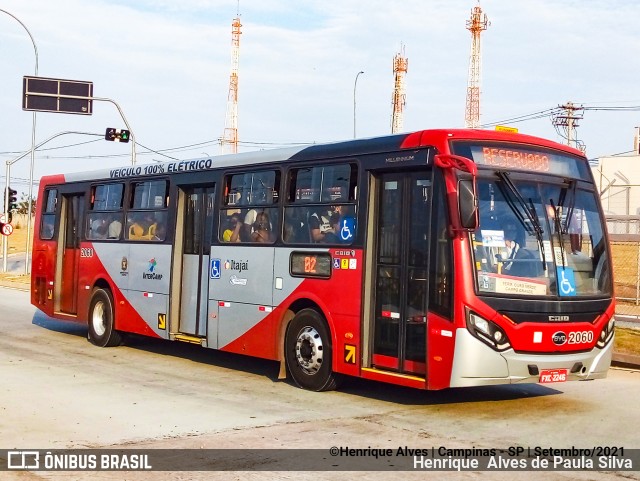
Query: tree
23, 205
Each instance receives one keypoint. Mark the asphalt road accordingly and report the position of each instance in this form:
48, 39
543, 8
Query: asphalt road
59, 391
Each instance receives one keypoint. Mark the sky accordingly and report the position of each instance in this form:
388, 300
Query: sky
167, 65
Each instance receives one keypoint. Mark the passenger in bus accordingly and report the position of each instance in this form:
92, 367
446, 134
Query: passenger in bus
295, 229
233, 229
160, 232
98, 229
150, 225
115, 227
262, 229
136, 227
47, 227
332, 236
247, 227
320, 224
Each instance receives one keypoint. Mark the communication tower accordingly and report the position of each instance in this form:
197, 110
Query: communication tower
476, 24
230, 137
398, 100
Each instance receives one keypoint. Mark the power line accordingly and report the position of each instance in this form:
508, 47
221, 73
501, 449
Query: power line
523, 118
546, 113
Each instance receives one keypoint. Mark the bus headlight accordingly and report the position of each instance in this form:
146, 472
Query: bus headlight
488, 332
606, 334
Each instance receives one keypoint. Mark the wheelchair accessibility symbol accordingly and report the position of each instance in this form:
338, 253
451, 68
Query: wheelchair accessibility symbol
347, 229
214, 272
566, 281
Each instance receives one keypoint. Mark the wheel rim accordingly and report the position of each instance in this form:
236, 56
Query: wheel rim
98, 320
309, 350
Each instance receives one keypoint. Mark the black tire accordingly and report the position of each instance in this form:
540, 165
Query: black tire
102, 332
308, 352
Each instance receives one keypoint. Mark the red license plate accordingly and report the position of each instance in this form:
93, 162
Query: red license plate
553, 375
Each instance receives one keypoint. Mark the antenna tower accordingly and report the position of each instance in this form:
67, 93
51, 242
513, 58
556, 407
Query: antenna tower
476, 24
230, 137
398, 100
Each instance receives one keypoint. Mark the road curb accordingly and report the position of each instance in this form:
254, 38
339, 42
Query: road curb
21, 286
626, 360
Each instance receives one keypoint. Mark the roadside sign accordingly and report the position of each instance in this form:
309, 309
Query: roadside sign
3, 219
7, 229
57, 95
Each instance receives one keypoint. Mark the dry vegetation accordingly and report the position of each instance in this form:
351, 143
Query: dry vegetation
627, 341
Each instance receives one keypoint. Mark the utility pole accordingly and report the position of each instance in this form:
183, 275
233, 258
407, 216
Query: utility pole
568, 119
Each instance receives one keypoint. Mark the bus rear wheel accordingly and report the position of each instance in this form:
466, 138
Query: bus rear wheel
102, 331
308, 352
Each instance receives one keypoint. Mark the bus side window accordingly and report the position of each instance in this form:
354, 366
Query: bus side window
147, 216
104, 218
258, 220
47, 226
322, 203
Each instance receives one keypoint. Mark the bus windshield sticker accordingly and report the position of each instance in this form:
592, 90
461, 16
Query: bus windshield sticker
492, 238
511, 285
566, 281
347, 228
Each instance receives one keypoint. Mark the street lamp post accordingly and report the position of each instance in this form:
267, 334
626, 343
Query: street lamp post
355, 84
33, 149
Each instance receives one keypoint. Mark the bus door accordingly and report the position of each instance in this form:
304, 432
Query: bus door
197, 230
68, 254
401, 272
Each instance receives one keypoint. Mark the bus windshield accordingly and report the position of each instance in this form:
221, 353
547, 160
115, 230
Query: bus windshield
539, 239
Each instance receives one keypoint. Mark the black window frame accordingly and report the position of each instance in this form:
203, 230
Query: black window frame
106, 215
260, 201
298, 208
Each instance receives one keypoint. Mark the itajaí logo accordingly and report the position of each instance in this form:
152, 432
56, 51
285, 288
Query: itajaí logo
150, 274
234, 265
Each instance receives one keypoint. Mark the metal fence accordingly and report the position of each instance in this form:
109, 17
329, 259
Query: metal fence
624, 234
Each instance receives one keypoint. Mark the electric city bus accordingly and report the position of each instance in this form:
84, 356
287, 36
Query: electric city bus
433, 259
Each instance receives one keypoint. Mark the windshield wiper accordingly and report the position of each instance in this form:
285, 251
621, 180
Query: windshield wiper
530, 212
570, 208
558, 225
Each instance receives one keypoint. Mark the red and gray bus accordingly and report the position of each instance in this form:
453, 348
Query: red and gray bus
433, 259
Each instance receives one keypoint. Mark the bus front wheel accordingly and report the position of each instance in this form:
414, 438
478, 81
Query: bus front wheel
308, 352
102, 331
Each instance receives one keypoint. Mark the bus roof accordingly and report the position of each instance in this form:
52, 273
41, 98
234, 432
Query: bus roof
391, 143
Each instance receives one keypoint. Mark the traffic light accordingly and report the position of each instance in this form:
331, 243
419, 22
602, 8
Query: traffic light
13, 199
117, 135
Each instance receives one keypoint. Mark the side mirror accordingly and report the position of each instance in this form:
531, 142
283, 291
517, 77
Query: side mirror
468, 204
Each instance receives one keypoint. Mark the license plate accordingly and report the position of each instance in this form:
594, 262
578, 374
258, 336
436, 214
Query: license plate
553, 375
